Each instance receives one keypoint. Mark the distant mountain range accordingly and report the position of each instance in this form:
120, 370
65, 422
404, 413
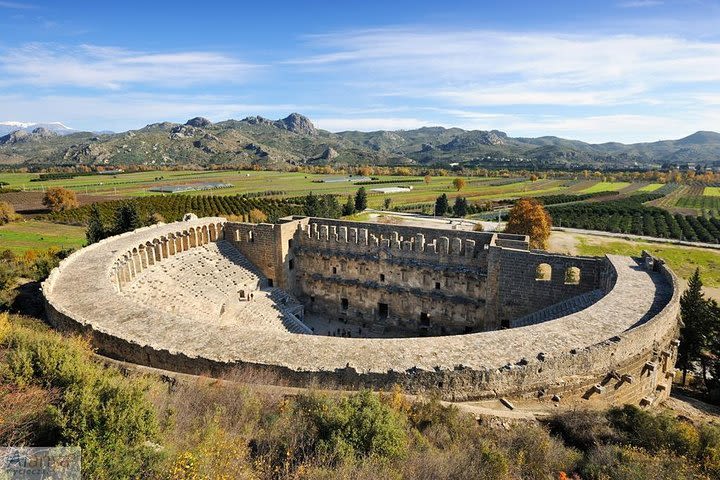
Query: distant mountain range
57, 127
294, 140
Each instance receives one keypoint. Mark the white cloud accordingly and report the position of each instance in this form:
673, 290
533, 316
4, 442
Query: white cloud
114, 68
17, 5
640, 4
495, 68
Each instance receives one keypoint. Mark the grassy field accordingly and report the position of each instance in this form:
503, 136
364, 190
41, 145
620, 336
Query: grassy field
36, 235
651, 187
712, 191
682, 260
291, 184
606, 187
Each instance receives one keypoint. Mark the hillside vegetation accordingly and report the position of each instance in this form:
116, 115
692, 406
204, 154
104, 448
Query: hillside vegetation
55, 393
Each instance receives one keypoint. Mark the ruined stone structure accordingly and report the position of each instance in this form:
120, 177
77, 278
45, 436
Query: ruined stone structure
472, 315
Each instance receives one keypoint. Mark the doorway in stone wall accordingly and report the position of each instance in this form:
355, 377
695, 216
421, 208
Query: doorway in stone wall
383, 311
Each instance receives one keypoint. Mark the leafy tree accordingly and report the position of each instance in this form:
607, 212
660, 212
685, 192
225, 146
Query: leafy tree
329, 207
360, 199
7, 213
95, 230
460, 207
459, 183
529, 217
311, 205
427, 179
441, 205
127, 218
713, 344
349, 207
386, 203
478, 227
59, 199
693, 310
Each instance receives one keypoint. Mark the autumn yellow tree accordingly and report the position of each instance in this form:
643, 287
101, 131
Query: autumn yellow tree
59, 199
7, 213
529, 217
427, 179
459, 183
365, 171
257, 216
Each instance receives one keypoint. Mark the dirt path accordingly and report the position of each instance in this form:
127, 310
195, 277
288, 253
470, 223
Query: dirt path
563, 242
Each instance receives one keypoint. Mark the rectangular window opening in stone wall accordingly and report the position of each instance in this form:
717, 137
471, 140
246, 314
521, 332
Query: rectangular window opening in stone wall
437, 285
270, 282
382, 277
345, 304
291, 264
334, 270
383, 310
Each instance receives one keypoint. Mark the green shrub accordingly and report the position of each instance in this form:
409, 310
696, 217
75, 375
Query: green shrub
655, 432
96, 409
355, 426
615, 462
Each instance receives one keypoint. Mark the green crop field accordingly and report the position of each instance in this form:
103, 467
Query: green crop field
704, 204
651, 187
37, 235
606, 187
712, 192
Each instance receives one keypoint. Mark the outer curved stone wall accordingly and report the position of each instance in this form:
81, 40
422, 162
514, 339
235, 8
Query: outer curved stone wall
621, 349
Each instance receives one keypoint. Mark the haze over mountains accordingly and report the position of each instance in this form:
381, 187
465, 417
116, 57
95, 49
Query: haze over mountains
294, 140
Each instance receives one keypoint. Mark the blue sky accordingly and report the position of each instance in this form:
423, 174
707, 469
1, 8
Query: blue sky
625, 70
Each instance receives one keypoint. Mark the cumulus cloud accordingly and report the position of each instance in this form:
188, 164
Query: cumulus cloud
114, 68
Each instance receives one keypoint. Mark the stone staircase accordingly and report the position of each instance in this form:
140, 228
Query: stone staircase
558, 310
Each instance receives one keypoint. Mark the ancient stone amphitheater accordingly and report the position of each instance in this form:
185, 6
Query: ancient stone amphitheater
471, 315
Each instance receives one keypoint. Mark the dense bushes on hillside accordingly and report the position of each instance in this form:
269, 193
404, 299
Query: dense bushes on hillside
173, 207
630, 215
53, 392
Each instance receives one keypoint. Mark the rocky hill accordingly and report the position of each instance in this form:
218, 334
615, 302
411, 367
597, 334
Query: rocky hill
294, 140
